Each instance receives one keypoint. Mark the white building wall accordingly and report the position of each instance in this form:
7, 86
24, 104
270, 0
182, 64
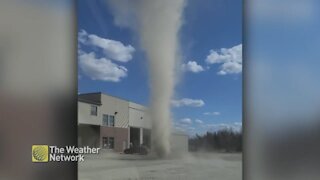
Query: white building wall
128, 114
84, 114
139, 116
110, 105
179, 142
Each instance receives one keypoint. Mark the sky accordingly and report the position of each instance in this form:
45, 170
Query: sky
208, 93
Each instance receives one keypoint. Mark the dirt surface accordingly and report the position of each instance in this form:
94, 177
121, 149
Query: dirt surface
195, 166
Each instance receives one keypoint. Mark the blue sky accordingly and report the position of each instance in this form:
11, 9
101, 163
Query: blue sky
209, 92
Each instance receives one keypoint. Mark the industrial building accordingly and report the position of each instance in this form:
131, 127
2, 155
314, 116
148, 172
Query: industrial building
114, 123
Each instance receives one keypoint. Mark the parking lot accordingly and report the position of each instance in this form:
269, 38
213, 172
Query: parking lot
202, 166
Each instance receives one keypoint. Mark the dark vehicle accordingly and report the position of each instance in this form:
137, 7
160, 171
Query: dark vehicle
142, 150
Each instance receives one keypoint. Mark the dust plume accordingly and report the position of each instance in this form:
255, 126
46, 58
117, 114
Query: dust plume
157, 23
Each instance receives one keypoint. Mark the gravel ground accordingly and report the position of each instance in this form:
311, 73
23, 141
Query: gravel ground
192, 166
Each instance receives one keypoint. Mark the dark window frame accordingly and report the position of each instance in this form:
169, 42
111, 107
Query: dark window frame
112, 119
94, 110
105, 122
108, 120
108, 142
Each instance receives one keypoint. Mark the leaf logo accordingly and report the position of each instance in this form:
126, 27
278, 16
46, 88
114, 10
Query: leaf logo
40, 153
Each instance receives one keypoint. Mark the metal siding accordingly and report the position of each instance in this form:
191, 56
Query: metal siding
84, 114
179, 142
137, 111
110, 105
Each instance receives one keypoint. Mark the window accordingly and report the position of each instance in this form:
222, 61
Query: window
108, 142
108, 120
105, 118
111, 120
94, 110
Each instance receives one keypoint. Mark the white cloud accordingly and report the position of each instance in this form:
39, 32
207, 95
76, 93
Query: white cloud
212, 113
184, 125
191, 128
178, 128
101, 69
186, 121
230, 59
82, 36
187, 102
199, 121
238, 123
236, 126
192, 66
112, 49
